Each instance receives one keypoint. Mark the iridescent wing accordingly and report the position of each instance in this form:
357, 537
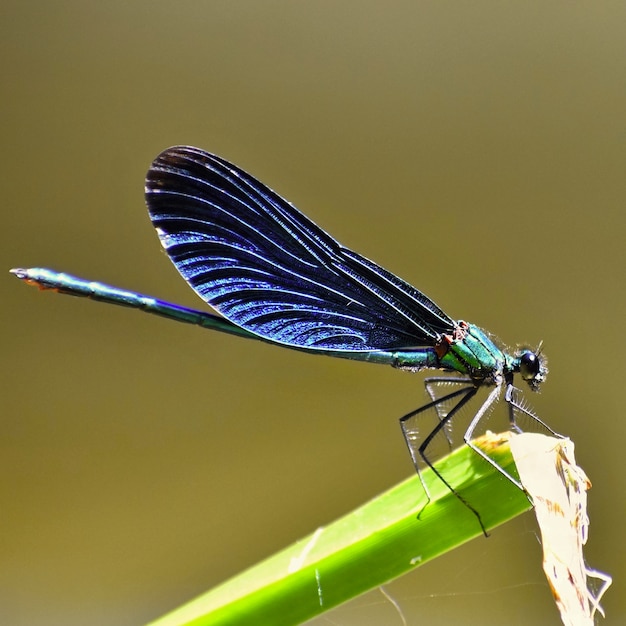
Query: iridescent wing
267, 268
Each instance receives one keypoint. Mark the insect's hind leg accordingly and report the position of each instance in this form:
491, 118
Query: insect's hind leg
409, 422
432, 381
430, 384
444, 417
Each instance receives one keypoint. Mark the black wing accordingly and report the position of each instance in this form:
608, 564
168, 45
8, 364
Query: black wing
263, 265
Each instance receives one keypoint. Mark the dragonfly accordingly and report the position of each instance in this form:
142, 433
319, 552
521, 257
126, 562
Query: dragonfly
275, 276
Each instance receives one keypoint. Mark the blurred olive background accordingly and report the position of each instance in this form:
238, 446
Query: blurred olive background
475, 149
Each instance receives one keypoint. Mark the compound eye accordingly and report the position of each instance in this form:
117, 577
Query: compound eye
530, 365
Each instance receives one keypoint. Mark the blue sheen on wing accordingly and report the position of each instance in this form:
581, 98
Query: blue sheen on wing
266, 267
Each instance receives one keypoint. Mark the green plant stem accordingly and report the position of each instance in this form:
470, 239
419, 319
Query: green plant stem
374, 544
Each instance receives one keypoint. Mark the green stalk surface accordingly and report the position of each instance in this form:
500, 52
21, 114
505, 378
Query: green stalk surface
381, 540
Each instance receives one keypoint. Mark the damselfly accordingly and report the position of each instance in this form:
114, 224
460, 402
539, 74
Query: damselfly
275, 276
